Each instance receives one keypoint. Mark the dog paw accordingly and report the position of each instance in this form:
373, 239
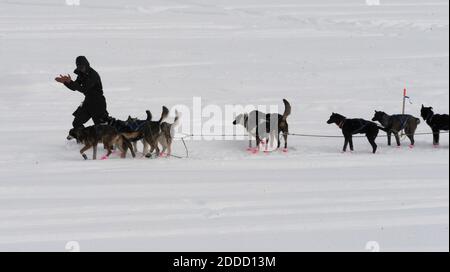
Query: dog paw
104, 158
285, 150
411, 146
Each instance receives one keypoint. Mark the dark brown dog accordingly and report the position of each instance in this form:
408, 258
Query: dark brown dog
152, 132
106, 134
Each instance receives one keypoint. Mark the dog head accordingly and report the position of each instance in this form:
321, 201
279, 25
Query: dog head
378, 116
240, 119
72, 134
426, 112
335, 118
77, 134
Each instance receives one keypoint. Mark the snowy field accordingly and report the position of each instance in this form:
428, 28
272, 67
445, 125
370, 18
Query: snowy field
322, 55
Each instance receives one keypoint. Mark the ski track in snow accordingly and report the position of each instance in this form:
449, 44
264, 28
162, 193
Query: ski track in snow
324, 56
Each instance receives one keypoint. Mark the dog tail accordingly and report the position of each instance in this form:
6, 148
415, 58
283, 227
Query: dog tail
127, 145
149, 115
287, 109
164, 114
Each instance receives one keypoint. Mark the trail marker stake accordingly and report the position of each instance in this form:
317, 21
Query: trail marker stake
405, 96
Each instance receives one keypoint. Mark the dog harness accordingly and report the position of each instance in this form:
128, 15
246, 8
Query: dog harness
136, 125
363, 126
403, 121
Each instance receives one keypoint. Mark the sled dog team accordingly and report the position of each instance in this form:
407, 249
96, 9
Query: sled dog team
264, 127
126, 134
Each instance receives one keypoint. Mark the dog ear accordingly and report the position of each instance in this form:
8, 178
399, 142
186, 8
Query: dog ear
422, 106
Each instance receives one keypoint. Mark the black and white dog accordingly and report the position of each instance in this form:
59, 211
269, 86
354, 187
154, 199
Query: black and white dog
394, 124
437, 122
351, 127
263, 126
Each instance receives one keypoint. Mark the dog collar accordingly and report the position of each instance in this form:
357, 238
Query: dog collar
341, 124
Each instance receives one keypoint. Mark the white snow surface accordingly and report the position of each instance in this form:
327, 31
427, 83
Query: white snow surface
322, 55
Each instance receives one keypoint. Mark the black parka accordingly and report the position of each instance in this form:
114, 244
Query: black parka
89, 84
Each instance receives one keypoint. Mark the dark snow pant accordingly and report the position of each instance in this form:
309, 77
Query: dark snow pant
82, 116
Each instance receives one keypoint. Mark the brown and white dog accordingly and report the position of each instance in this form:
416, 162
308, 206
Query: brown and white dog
167, 133
264, 126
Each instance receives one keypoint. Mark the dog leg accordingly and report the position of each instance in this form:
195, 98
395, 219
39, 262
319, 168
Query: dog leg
108, 153
94, 156
397, 139
436, 137
346, 141
250, 144
258, 140
149, 154
110, 150
169, 148
285, 136
119, 140
410, 135
128, 145
158, 151
389, 138
258, 144
372, 143
145, 150
266, 146
84, 149
351, 143
279, 141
